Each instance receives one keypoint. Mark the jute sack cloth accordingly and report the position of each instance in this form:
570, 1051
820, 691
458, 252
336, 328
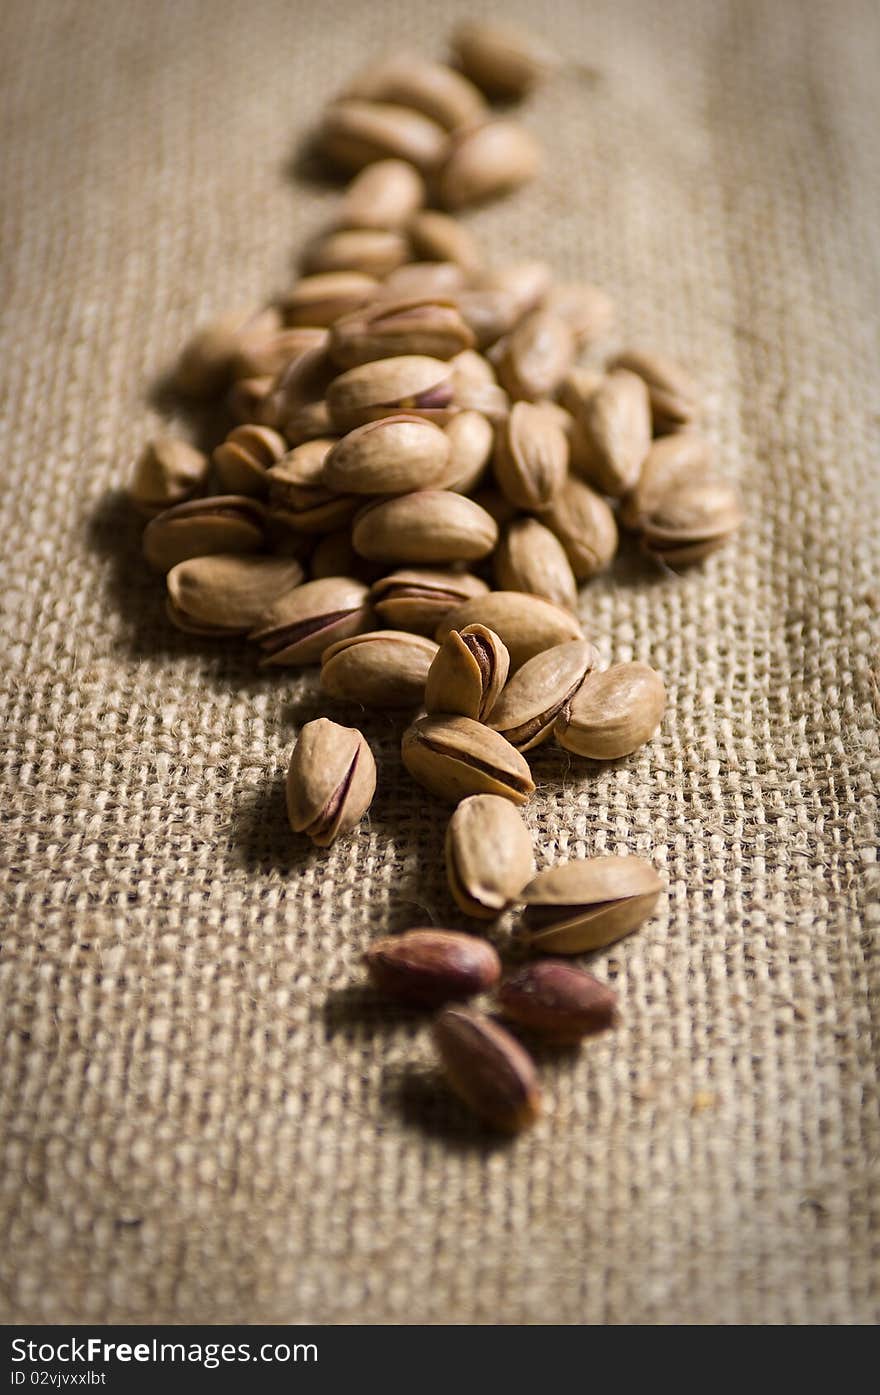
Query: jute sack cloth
204, 1117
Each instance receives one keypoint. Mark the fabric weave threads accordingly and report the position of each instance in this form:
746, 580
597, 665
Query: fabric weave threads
203, 1117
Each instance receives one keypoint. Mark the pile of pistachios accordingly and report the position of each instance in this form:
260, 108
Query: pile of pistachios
414, 431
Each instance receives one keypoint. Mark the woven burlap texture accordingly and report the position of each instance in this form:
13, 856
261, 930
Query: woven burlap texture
204, 1116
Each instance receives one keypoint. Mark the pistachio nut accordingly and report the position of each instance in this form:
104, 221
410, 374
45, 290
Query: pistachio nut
385, 195
392, 456
241, 462
467, 674
380, 668
331, 781
333, 555
670, 462
227, 595
426, 968
584, 524
577, 387
356, 133
486, 160
617, 424
527, 283
387, 328
304, 381
408, 383
208, 360
557, 1001
320, 300
588, 904
472, 369
200, 527
488, 313
490, 400
298, 628
447, 97
423, 280
270, 354
527, 625
310, 421
531, 558
298, 496
372, 251
489, 855
587, 310
537, 355
531, 456
168, 472
613, 713
487, 1069
502, 59
692, 520
431, 525
456, 756
470, 438
417, 600
673, 392
435, 237
527, 709
249, 401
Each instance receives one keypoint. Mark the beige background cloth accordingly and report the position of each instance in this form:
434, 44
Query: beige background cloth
204, 1116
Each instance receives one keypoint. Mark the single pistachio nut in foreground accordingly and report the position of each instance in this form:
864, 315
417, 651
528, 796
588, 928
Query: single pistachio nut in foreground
222, 523
429, 526
691, 521
489, 855
530, 704
414, 383
446, 96
372, 251
617, 424
485, 161
503, 60
537, 355
380, 668
388, 328
355, 133
525, 624
227, 595
417, 599
531, 456
530, 558
387, 194
241, 461
488, 1069
298, 628
557, 1001
588, 904
454, 757
322, 299
426, 968
674, 396
331, 781
467, 674
395, 455
671, 461
612, 714
168, 472
584, 523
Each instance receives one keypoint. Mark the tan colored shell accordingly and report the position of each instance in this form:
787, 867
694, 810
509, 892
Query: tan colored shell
467, 674
429, 526
669, 463
297, 629
321, 299
434, 89
502, 59
298, 496
673, 392
613, 713
471, 438
537, 355
392, 456
222, 523
531, 558
355, 133
488, 313
422, 280
249, 400
528, 283
384, 195
388, 328
435, 237
584, 524
242, 460
229, 594
168, 472
488, 1069
589, 903
617, 424
379, 668
331, 781
586, 309
692, 520
416, 599
489, 855
207, 361
454, 757
527, 709
485, 161
531, 456
407, 383
372, 251
527, 625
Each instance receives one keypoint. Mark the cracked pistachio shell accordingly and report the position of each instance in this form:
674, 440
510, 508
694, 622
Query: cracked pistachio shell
441, 93
221, 523
526, 624
381, 668
227, 594
589, 903
584, 524
468, 672
355, 133
528, 707
531, 558
692, 520
242, 460
318, 301
392, 456
436, 237
298, 496
431, 525
168, 472
670, 462
489, 855
471, 438
537, 355
426, 968
454, 757
488, 1069
672, 390
613, 713
389, 328
503, 60
412, 383
617, 425
299, 627
384, 195
531, 456
417, 599
372, 251
423, 281
485, 161
331, 781
587, 310
557, 1001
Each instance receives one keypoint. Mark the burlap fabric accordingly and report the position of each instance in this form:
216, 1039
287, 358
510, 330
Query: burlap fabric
204, 1117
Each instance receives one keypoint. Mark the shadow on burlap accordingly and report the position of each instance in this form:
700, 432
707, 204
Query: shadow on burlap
205, 1116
